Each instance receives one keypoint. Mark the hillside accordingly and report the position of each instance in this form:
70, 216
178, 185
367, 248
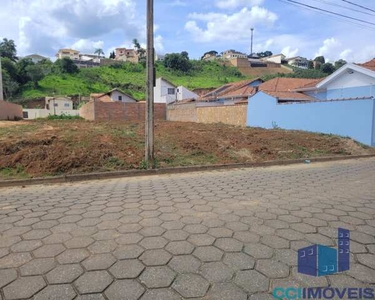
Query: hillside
130, 78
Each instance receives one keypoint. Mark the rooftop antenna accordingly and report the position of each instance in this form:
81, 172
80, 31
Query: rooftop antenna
252, 40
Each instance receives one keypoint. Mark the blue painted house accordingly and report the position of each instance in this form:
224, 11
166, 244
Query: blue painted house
342, 103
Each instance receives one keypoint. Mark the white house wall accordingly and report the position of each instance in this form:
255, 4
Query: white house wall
351, 80
161, 92
115, 97
183, 93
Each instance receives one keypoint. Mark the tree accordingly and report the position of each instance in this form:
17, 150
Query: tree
211, 53
22, 65
310, 65
340, 63
178, 62
320, 59
265, 54
65, 65
10, 86
10, 67
112, 55
140, 51
328, 68
8, 49
35, 73
99, 52
185, 54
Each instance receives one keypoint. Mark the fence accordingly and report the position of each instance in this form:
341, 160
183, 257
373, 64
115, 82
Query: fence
10, 111
228, 114
119, 111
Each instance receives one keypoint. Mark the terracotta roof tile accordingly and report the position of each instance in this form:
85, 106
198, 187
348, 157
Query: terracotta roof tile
369, 65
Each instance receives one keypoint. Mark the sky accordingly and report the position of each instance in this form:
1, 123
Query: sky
195, 26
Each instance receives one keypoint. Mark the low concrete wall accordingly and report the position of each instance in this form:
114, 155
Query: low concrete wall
119, 111
10, 111
227, 114
30, 114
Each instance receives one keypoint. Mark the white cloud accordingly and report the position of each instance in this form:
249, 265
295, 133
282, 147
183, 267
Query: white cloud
231, 4
159, 47
46, 25
179, 3
221, 27
87, 46
288, 52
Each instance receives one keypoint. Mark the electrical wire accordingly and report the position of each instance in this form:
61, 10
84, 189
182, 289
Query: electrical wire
330, 12
355, 4
345, 7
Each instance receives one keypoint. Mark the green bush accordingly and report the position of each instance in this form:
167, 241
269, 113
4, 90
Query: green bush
63, 117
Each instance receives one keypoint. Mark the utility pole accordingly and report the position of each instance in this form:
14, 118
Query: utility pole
149, 128
1, 84
252, 40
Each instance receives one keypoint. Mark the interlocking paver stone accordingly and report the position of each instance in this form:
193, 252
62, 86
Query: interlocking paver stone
64, 274
157, 277
93, 282
7, 276
127, 269
226, 291
99, 262
24, 287
211, 235
185, 264
252, 281
216, 272
191, 285
125, 290
57, 292
37, 266
161, 294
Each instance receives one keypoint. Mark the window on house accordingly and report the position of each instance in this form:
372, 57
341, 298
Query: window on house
56, 104
171, 91
25, 114
66, 105
119, 98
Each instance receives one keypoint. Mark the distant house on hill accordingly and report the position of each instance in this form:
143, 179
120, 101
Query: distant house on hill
115, 95
299, 62
35, 58
278, 58
233, 54
69, 53
232, 93
123, 54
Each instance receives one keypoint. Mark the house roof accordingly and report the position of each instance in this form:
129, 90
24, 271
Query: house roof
285, 88
166, 80
105, 96
232, 90
67, 49
369, 65
35, 56
366, 70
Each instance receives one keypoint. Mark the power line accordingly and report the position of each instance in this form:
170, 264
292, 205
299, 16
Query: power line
330, 12
345, 7
339, 18
355, 4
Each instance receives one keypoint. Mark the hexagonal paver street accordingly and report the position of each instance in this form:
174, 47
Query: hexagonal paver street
230, 234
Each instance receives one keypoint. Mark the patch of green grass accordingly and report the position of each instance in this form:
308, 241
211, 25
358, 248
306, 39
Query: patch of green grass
63, 117
18, 130
13, 173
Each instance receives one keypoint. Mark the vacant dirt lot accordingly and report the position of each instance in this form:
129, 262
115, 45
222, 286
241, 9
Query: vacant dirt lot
41, 148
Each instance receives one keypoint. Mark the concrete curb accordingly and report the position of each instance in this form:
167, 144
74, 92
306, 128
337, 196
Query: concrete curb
177, 170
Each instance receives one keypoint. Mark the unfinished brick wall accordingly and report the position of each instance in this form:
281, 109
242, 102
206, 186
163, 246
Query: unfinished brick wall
10, 111
119, 111
229, 114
